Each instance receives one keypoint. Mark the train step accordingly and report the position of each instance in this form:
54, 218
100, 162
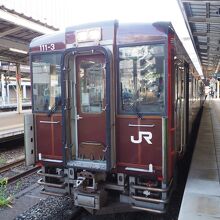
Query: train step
51, 188
55, 185
41, 173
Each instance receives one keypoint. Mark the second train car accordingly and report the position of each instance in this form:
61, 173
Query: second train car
113, 107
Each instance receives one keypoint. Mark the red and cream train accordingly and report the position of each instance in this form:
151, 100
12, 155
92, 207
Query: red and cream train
112, 108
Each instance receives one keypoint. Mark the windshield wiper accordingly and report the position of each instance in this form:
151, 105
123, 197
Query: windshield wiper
53, 109
136, 109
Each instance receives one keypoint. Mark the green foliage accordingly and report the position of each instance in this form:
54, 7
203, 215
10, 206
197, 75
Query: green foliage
4, 199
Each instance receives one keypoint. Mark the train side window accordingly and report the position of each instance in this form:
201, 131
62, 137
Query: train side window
142, 79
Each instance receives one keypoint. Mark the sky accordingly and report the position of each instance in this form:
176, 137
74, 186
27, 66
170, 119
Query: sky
63, 13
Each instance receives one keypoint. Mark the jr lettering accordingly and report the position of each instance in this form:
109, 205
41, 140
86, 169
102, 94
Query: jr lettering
142, 134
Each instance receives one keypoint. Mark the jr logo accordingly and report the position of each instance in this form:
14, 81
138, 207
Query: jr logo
142, 134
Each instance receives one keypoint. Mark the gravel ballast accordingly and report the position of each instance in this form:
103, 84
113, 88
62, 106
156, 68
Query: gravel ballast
52, 208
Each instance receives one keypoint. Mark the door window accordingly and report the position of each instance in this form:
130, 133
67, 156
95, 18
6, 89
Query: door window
92, 86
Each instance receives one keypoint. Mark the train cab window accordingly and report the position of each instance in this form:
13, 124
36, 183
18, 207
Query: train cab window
92, 86
46, 83
142, 79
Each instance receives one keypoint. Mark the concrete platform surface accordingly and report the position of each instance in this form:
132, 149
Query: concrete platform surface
201, 198
11, 124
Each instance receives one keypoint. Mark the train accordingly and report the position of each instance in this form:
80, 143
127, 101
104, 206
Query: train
113, 106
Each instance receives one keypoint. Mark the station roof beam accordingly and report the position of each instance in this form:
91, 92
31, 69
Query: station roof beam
16, 32
203, 20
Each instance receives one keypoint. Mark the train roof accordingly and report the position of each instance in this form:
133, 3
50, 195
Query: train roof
56, 36
126, 32
143, 32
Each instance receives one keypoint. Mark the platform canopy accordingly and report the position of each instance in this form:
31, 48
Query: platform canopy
203, 20
16, 32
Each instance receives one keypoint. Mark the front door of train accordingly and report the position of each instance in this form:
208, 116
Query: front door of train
91, 107
86, 110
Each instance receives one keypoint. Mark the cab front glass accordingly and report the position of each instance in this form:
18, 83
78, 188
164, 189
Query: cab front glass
142, 79
46, 79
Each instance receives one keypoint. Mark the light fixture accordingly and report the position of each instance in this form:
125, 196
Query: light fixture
88, 35
18, 51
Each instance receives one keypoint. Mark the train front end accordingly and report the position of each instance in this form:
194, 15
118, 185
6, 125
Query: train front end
108, 134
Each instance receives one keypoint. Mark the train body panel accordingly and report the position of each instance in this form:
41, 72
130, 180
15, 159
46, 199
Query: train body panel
48, 138
113, 109
139, 144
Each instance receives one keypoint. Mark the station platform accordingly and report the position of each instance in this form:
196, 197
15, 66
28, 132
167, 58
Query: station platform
13, 106
201, 199
11, 125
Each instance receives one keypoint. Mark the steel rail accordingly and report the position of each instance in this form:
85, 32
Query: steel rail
13, 164
23, 174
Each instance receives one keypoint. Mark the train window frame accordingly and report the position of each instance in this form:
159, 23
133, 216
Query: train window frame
57, 105
165, 66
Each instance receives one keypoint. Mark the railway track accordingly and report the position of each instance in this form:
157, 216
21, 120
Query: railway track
11, 165
14, 164
23, 174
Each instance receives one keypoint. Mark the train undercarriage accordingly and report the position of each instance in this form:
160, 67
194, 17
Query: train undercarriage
101, 193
